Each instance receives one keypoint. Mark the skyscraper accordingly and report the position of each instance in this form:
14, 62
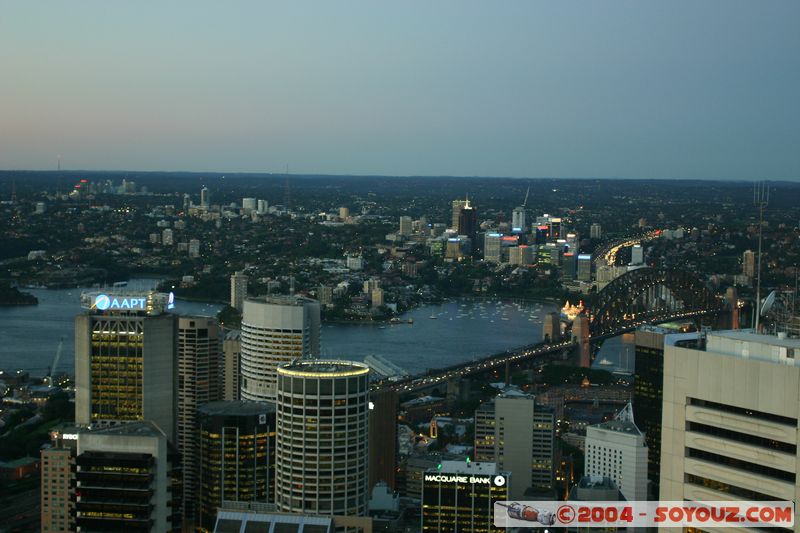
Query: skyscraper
595, 231
584, 268
616, 449
492, 247
57, 494
405, 226
199, 361
383, 438
468, 221
731, 411
205, 198
238, 290
275, 330
126, 478
459, 496
647, 392
518, 434
458, 205
236, 456
125, 360
749, 263
231, 369
637, 254
322, 434
518, 222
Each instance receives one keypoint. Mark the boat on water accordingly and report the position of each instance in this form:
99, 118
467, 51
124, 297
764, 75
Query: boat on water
433, 317
604, 362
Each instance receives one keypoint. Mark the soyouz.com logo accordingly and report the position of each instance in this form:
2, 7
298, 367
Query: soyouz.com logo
644, 514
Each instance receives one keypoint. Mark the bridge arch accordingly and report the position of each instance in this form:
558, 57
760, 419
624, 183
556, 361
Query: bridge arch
649, 295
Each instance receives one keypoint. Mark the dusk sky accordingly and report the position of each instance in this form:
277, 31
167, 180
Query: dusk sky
634, 89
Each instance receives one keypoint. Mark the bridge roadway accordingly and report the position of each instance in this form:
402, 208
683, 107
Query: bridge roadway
498, 360
441, 375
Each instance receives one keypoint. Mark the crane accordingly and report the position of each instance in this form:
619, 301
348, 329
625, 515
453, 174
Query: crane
55, 362
525, 203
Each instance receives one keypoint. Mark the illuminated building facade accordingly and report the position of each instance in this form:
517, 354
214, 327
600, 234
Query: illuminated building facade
236, 456
459, 497
199, 361
125, 360
322, 437
275, 330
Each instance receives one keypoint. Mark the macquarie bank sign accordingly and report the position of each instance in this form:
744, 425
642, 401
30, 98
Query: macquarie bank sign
497, 481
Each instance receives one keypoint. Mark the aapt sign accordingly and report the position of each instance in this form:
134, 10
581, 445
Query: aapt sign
105, 302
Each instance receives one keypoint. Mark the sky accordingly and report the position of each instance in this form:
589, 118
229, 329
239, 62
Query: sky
519, 88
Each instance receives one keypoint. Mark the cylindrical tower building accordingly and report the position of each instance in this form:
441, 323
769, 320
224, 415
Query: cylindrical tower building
321, 451
275, 330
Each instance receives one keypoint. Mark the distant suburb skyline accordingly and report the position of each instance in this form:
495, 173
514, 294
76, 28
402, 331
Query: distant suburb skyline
701, 89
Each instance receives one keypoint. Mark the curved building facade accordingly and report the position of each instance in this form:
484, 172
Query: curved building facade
321, 451
275, 330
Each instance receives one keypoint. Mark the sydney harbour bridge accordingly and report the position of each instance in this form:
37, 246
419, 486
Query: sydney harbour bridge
642, 296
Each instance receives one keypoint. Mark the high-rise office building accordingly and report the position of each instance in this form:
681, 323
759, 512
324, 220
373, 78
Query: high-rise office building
637, 254
616, 449
205, 198
126, 478
749, 263
238, 290
518, 220
468, 221
492, 247
731, 411
460, 496
554, 228
520, 255
275, 330
518, 434
236, 456
57, 498
263, 207
125, 360
322, 437
569, 266
405, 226
458, 205
383, 438
584, 268
648, 392
231, 370
344, 213
595, 231
199, 361
249, 204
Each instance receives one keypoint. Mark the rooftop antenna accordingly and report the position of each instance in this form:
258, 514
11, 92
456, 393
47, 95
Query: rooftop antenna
525, 203
761, 201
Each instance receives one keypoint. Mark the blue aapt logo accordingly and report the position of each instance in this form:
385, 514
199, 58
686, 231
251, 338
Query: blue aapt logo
104, 302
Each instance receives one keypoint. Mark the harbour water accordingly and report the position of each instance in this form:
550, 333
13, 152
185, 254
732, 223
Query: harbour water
441, 335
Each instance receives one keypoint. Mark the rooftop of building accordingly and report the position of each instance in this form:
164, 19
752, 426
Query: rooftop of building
328, 368
145, 428
464, 467
237, 408
742, 343
282, 299
597, 482
622, 422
